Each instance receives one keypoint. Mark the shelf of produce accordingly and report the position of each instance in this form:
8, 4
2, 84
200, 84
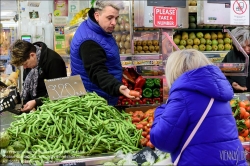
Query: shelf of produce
72, 28
200, 29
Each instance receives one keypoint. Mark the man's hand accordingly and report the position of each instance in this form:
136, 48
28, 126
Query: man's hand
125, 91
236, 86
29, 106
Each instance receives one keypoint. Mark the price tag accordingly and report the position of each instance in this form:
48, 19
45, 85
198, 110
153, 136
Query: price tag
72, 164
140, 157
60, 88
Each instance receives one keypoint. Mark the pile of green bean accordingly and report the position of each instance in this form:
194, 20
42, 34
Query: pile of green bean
73, 127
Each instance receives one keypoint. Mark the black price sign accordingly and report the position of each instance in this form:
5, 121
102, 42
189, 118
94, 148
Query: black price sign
73, 164
65, 87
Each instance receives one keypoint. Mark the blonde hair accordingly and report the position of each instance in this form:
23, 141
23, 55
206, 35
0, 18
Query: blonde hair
101, 4
242, 34
182, 61
20, 52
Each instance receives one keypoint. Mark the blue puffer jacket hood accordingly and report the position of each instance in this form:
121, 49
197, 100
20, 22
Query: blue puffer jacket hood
206, 80
216, 140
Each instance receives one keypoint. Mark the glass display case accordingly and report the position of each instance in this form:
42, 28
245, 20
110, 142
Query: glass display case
123, 30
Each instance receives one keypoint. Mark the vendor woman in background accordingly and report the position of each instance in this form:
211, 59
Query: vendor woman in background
239, 83
39, 63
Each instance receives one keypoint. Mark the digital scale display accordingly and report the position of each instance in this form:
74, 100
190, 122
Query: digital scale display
26, 38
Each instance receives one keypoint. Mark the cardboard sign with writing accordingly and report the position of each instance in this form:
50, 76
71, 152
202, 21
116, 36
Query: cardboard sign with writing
64, 87
140, 156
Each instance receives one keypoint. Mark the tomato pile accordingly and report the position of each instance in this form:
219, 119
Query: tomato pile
143, 121
241, 113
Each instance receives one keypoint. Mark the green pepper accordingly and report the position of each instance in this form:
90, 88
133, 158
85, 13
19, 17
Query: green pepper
157, 82
149, 83
147, 92
156, 92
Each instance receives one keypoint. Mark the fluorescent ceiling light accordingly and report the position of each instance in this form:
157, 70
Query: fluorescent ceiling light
7, 13
9, 24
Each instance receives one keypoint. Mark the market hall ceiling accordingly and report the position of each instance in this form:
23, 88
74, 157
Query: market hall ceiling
8, 9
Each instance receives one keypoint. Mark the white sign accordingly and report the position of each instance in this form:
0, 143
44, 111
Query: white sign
73, 6
33, 4
239, 14
60, 21
59, 88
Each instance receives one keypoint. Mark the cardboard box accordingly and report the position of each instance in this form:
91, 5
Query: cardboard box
142, 108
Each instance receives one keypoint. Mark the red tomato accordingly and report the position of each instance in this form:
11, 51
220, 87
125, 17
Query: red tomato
248, 108
242, 112
246, 116
148, 136
144, 134
136, 119
144, 123
139, 126
144, 141
247, 123
145, 128
242, 104
149, 124
149, 144
149, 129
244, 133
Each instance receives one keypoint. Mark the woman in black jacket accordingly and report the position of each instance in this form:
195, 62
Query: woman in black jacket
39, 63
239, 83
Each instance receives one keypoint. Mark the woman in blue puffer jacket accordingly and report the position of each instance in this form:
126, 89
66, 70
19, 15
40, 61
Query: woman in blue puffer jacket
193, 80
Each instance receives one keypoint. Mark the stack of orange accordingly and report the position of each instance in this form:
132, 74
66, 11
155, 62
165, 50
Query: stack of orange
241, 113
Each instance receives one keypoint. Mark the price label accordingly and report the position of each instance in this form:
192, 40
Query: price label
65, 87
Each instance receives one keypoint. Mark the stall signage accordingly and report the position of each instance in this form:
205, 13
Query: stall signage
64, 87
239, 14
74, 6
165, 17
33, 4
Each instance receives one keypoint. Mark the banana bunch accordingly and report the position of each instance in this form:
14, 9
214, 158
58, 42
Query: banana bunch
80, 16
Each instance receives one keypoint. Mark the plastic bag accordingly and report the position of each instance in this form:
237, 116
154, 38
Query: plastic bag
149, 159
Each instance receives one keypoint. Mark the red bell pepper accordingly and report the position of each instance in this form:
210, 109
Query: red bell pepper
139, 82
124, 81
157, 100
161, 91
147, 101
138, 102
133, 73
127, 76
119, 103
121, 97
127, 101
138, 90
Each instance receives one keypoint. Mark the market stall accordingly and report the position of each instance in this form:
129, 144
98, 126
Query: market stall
84, 130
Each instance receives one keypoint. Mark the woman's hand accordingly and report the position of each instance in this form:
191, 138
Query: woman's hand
125, 91
236, 86
29, 106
